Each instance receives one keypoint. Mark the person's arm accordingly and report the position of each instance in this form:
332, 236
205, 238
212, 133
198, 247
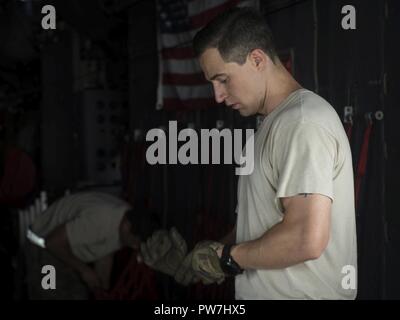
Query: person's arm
57, 244
302, 235
103, 268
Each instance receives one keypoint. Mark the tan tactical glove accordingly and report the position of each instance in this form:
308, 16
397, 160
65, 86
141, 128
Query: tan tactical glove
164, 251
205, 262
185, 274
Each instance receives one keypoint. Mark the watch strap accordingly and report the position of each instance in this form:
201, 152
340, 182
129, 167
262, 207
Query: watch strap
228, 264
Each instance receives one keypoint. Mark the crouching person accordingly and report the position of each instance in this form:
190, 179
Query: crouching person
78, 236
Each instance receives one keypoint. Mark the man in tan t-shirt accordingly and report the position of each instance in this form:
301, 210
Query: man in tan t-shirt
295, 233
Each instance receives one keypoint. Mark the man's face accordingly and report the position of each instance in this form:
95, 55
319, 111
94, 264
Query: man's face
241, 87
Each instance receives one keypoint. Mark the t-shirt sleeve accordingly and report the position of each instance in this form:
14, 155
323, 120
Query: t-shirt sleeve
304, 157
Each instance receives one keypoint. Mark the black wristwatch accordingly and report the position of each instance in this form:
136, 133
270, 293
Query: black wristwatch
229, 266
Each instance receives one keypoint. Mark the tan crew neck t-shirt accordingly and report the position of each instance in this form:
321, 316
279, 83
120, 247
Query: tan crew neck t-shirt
300, 147
92, 221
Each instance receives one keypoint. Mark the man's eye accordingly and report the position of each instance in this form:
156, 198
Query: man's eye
223, 81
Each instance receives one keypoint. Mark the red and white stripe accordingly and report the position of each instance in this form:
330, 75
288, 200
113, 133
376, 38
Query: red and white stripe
181, 81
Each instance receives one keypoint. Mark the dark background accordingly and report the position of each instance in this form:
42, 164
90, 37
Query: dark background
79, 100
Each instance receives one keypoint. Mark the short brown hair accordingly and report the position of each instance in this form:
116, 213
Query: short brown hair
235, 33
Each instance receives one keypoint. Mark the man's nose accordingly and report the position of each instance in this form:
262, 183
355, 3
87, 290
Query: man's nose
219, 93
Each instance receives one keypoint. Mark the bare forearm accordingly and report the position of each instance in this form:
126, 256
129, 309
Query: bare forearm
282, 246
103, 268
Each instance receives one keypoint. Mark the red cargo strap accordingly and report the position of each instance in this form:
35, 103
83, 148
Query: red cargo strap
137, 281
349, 129
362, 162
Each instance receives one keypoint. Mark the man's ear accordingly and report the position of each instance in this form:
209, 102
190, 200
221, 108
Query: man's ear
258, 58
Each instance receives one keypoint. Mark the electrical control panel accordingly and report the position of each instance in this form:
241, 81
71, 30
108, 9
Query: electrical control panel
104, 116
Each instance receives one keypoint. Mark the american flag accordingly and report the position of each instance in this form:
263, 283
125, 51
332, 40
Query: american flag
181, 81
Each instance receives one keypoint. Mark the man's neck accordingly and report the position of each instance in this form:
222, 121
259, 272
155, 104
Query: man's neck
281, 86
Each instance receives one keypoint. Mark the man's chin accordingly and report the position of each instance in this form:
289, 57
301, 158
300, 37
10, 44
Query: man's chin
244, 113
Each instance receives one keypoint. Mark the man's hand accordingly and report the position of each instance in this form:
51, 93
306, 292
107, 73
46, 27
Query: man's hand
205, 262
164, 251
89, 276
186, 275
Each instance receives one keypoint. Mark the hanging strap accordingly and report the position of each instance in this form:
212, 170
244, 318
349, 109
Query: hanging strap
349, 130
362, 162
